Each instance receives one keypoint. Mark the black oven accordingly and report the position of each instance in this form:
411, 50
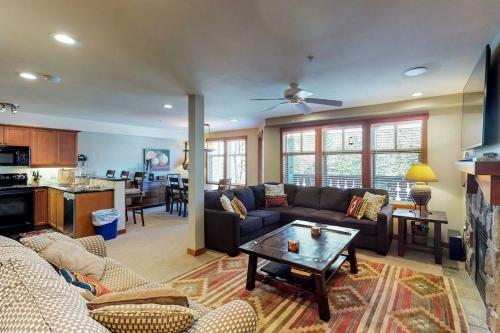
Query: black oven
16, 204
14, 156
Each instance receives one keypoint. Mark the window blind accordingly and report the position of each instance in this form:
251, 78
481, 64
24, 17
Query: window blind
394, 148
215, 161
342, 157
299, 148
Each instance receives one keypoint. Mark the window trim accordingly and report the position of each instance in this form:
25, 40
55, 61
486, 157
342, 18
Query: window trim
225, 139
365, 123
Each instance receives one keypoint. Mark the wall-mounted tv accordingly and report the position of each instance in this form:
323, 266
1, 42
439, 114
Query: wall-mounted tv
474, 103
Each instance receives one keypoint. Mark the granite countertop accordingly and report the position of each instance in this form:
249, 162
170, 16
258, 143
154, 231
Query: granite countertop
73, 188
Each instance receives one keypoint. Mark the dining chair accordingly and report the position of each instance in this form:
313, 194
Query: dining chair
110, 174
173, 194
134, 198
224, 184
184, 200
124, 175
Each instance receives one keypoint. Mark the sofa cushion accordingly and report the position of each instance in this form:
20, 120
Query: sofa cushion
308, 197
268, 216
250, 224
297, 213
360, 192
84, 282
327, 217
246, 196
333, 198
259, 195
212, 200
365, 226
291, 192
39, 243
162, 296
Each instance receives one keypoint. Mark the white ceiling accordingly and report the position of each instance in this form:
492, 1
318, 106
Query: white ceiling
137, 55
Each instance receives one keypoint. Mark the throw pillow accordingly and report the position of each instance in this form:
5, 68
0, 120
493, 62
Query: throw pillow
73, 258
374, 205
226, 203
357, 207
84, 282
277, 201
239, 208
274, 190
151, 318
163, 296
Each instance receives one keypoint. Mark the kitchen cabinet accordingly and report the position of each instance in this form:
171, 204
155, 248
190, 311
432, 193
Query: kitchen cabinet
41, 206
1, 134
66, 148
84, 205
43, 147
56, 209
16, 136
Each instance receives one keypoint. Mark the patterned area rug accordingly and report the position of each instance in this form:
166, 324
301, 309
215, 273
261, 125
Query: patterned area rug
380, 298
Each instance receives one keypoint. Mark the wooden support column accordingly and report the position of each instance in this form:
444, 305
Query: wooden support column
196, 245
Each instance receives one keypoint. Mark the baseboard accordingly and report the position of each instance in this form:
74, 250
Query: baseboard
122, 231
196, 252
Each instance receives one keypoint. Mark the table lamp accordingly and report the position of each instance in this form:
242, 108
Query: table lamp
420, 192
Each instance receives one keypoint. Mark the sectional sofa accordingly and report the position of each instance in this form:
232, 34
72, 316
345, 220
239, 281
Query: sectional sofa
225, 232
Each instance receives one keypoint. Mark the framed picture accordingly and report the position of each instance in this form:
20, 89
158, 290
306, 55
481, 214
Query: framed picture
157, 159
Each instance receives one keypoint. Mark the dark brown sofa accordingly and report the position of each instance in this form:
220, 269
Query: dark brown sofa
225, 232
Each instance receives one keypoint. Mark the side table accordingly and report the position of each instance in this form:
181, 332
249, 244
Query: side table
437, 217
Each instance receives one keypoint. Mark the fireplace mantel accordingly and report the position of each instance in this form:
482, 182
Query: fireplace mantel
486, 175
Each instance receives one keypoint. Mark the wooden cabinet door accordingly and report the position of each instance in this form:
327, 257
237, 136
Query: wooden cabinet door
66, 148
17, 136
56, 209
41, 207
1, 135
43, 147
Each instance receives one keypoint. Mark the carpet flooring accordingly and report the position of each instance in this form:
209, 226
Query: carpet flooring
380, 298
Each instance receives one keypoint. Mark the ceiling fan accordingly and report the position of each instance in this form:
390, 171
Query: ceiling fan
299, 98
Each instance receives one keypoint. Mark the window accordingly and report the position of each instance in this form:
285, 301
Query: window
363, 153
394, 148
299, 157
342, 157
228, 160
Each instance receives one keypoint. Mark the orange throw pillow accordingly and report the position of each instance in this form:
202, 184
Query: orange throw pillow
357, 207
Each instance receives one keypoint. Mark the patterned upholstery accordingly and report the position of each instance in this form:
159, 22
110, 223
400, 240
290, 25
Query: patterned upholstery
94, 244
41, 242
58, 304
143, 318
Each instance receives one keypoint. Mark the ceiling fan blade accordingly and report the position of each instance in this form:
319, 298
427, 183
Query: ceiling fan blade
322, 101
304, 108
267, 99
303, 94
274, 106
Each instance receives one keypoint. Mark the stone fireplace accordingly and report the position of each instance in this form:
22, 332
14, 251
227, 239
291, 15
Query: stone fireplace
482, 242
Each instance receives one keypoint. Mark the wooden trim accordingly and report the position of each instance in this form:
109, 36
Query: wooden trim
259, 158
37, 127
366, 159
196, 252
122, 231
318, 159
281, 155
424, 140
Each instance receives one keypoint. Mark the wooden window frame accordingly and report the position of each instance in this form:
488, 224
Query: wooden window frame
366, 124
225, 139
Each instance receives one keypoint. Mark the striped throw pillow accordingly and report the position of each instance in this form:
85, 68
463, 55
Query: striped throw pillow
357, 207
239, 208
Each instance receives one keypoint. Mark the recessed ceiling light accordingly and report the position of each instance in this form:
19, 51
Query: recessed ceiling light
63, 38
416, 71
28, 76
234, 120
417, 94
167, 106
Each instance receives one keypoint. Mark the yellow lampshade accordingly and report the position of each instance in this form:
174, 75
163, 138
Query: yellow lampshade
420, 172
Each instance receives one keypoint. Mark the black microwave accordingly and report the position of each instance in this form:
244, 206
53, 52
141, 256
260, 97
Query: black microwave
14, 156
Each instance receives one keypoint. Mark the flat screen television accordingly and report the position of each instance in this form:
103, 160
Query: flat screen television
474, 103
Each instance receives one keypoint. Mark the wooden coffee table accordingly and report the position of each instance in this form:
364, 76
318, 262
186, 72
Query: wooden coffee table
321, 257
